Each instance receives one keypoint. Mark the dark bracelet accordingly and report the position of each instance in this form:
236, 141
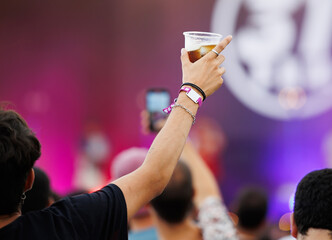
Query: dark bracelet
196, 87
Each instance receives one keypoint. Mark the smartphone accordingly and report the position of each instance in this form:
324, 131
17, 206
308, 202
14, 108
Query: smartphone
156, 100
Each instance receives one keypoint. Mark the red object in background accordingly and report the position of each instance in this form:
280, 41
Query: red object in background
211, 142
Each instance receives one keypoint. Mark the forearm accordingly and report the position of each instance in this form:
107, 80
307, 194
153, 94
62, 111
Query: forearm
204, 182
168, 145
149, 180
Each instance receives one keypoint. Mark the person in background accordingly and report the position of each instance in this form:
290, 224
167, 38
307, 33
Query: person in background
172, 209
40, 196
191, 206
141, 225
312, 216
192, 185
103, 214
251, 207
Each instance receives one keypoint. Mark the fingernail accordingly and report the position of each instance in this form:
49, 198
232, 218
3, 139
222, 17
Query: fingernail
182, 50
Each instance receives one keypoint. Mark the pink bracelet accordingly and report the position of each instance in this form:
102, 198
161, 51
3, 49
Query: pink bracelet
192, 94
168, 110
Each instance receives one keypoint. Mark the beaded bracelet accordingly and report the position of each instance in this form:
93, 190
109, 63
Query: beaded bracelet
187, 110
174, 105
196, 87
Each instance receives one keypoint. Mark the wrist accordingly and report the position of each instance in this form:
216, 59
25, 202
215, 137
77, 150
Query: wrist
187, 103
184, 100
197, 89
192, 94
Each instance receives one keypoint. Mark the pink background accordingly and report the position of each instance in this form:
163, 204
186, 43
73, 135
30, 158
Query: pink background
66, 63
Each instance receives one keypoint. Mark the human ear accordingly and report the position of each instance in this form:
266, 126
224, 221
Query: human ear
294, 230
30, 180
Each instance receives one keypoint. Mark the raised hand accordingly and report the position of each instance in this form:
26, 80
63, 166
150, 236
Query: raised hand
206, 72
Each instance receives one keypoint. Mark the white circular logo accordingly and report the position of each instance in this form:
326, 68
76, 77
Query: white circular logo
279, 63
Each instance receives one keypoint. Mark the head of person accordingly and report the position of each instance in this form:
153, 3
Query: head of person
313, 203
126, 162
251, 208
176, 201
40, 196
19, 149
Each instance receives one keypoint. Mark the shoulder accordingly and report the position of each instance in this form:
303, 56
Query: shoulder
37, 225
102, 213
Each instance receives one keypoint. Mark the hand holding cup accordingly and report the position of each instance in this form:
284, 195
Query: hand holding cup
205, 72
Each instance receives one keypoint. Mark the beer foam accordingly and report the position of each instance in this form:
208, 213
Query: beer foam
192, 46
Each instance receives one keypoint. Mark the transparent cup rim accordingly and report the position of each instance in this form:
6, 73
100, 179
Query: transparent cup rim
202, 34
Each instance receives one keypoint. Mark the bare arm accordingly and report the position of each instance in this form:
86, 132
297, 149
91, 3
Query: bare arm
148, 181
204, 182
213, 215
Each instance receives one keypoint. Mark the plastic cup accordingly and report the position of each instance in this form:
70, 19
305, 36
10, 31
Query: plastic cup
198, 44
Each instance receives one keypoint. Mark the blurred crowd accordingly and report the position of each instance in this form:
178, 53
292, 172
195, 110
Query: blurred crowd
171, 215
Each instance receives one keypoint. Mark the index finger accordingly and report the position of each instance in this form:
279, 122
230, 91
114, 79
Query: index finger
220, 46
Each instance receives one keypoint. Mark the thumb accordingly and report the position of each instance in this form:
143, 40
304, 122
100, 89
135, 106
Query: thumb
184, 57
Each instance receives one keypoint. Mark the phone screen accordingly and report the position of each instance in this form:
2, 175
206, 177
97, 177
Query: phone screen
156, 101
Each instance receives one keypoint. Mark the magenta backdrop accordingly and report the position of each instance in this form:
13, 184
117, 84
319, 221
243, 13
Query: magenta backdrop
66, 62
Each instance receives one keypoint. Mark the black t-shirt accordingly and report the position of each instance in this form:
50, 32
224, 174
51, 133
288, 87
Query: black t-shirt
99, 215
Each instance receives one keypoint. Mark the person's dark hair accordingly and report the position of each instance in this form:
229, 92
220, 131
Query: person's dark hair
252, 206
39, 196
19, 149
175, 202
313, 201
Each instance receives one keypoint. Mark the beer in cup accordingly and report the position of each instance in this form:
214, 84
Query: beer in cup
198, 44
